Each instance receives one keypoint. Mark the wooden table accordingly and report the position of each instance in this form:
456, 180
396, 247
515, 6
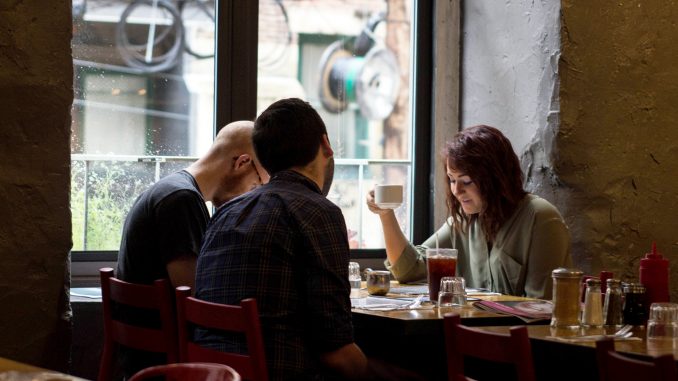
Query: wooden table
414, 339
7, 366
557, 359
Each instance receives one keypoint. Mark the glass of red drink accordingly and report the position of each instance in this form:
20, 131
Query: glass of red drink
440, 263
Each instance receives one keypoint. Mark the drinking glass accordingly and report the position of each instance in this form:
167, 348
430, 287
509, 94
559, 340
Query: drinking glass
440, 263
354, 278
663, 321
452, 292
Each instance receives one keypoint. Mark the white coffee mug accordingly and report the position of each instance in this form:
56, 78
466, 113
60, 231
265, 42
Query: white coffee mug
388, 196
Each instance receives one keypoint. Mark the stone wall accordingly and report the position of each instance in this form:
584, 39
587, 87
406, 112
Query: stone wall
618, 139
35, 233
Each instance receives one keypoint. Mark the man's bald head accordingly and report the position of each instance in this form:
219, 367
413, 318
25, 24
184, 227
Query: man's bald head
235, 137
230, 167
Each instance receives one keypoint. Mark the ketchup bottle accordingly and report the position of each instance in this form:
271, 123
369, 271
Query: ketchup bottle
654, 275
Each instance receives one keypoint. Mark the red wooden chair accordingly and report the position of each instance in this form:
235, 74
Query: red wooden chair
613, 366
243, 318
188, 371
462, 341
157, 297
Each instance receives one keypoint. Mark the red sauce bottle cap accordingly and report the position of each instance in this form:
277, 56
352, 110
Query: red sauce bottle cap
654, 254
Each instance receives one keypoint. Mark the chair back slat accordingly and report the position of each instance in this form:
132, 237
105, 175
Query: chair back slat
210, 314
157, 296
135, 295
128, 335
461, 341
240, 319
486, 345
613, 366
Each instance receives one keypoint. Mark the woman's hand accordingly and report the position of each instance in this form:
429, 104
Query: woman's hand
372, 206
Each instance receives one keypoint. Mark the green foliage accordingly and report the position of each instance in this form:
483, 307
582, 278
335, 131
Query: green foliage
112, 188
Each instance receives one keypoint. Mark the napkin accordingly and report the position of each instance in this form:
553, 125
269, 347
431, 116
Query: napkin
371, 303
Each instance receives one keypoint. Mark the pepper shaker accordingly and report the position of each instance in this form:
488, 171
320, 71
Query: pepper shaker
613, 303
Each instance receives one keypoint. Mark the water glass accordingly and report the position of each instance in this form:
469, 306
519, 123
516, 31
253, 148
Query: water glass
452, 292
663, 321
354, 278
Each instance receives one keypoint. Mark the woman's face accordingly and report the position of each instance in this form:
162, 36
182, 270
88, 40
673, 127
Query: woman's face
465, 191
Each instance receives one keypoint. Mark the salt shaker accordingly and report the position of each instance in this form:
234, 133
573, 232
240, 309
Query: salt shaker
635, 304
593, 309
612, 312
565, 297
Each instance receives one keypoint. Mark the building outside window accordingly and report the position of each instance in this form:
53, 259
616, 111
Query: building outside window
145, 98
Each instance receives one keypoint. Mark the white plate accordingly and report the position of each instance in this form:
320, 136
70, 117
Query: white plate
389, 205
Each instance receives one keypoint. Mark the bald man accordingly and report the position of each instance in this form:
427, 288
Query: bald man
164, 228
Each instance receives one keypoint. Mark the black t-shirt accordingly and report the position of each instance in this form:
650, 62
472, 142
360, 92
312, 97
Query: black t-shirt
166, 221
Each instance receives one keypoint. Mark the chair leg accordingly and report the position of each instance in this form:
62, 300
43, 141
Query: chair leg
106, 363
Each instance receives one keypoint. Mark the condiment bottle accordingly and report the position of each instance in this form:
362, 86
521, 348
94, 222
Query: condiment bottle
604, 276
635, 304
582, 288
593, 308
566, 298
612, 312
654, 275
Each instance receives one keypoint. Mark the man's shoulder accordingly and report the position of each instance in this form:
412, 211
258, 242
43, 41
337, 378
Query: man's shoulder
176, 185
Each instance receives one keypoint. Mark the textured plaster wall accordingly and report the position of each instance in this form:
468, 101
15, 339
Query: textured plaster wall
35, 231
618, 139
510, 61
587, 93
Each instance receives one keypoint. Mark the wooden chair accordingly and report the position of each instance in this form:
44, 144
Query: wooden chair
243, 318
155, 297
462, 341
188, 371
613, 366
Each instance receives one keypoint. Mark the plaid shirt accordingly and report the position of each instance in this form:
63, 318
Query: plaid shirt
284, 244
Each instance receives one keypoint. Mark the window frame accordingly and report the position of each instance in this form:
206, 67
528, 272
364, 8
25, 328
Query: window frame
236, 98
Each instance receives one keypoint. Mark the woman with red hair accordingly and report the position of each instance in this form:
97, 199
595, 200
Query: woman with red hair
509, 241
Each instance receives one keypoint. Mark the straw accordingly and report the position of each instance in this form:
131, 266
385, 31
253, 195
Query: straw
437, 245
454, 238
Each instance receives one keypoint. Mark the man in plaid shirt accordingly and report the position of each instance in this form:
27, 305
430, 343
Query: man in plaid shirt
286, 245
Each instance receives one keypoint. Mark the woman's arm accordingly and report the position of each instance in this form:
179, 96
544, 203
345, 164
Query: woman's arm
394, 239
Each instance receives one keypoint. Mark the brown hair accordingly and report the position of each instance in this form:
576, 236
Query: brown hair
487, 157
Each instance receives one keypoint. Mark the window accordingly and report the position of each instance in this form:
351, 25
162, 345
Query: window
148, 99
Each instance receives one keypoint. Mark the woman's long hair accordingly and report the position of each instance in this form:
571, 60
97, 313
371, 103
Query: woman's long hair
485, 155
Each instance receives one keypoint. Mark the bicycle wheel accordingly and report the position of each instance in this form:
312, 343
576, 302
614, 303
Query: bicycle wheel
158, 46
201, 10
275, 34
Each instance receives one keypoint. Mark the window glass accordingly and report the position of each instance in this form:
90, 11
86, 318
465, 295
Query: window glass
144, 98
143, 107
351, 60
